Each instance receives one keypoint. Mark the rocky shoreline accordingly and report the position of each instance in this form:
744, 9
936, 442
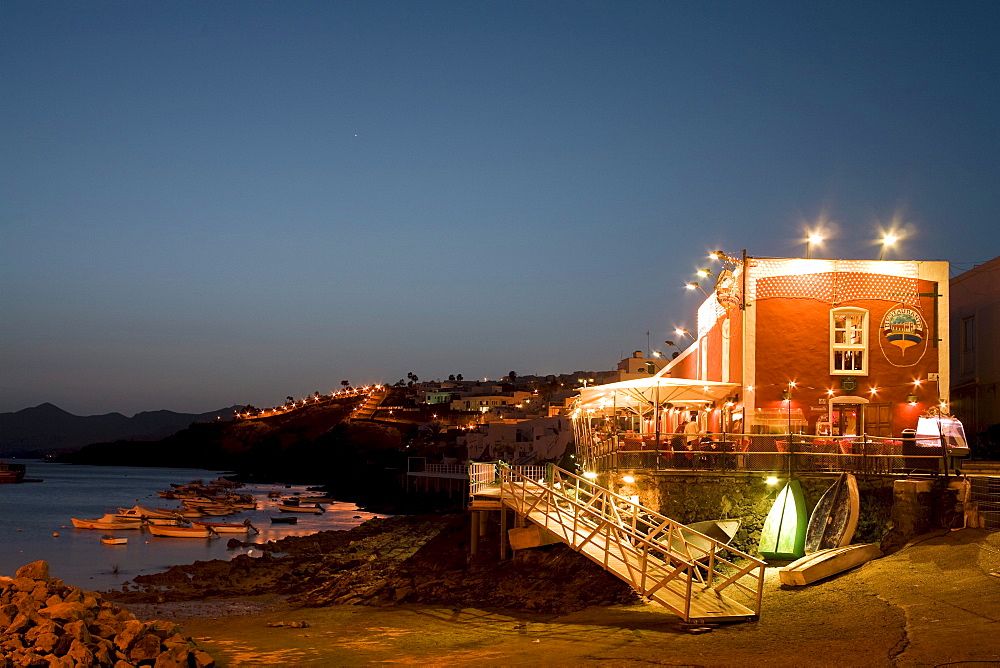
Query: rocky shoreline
47, 623
421, 559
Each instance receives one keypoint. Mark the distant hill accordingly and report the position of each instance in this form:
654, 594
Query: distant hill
48, 429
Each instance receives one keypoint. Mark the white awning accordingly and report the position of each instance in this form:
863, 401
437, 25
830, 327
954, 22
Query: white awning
643, 393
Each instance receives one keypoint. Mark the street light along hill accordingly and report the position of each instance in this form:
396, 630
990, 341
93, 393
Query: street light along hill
314, 443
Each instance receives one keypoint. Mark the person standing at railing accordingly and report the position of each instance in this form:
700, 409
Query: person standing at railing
692, 437
677, 448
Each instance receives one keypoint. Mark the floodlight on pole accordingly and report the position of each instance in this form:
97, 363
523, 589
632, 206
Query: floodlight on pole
671, 343
814, 239
694, 286
887, 240
681, 332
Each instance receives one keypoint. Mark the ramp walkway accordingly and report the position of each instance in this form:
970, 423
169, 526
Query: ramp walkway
696, 577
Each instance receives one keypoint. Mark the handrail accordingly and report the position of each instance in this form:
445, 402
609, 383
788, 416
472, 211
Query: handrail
863, 454
661, 558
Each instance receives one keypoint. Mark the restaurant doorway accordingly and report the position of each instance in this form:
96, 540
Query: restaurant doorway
847, 416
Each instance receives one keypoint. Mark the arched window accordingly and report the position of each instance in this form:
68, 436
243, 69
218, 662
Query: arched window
849, 342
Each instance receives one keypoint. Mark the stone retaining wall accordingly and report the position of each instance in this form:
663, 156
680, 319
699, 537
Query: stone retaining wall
885, 517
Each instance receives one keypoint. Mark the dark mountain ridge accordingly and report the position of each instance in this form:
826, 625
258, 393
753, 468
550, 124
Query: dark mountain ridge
47, 429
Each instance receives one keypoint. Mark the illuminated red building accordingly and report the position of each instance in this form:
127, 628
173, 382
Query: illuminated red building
822, 346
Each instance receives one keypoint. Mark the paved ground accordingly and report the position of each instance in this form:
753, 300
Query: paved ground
936, 602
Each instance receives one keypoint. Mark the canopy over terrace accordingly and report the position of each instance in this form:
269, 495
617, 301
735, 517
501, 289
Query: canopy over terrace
643, 394
608, 417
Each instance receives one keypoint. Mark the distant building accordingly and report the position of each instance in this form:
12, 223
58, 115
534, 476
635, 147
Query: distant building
637, 366
975, 352
522, 442
485, 402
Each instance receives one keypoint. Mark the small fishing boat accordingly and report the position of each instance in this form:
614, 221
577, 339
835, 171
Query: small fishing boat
182, 532
114, 540
293, 506
217, 510
824, 563
286, 519
151, 515
106, 523
835, 517
697, 534
214, 509
315, 499
783, 536
244, 527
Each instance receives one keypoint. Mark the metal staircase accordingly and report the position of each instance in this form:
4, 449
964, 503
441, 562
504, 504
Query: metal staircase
694, 576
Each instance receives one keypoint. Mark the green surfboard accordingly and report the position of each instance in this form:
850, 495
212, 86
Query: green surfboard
784, 534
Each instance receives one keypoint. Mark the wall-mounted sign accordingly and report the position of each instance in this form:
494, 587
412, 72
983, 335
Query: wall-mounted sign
848, 383
903, 327
726, 290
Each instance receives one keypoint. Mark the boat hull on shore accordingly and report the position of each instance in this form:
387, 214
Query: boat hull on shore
835, 517
825, 563
783, 536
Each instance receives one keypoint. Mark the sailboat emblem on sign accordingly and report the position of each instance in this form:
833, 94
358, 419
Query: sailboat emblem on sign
903, 327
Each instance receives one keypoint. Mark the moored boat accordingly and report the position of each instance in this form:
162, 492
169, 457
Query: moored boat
315, 499
181, 532
151, 515
287, 519
244, 527
293, 506
114, 540
107, 522
11, 472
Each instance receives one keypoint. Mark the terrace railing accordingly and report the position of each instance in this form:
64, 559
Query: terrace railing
765, 453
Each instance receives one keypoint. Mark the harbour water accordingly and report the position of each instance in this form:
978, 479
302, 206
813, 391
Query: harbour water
35, 522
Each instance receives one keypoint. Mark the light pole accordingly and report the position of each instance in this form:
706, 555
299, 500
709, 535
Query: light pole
813, 239
680, 331
887, 240
694, 286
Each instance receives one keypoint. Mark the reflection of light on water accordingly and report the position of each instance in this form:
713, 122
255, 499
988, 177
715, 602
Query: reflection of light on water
32, 514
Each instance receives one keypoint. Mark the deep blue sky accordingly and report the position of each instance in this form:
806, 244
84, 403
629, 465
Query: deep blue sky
211, 203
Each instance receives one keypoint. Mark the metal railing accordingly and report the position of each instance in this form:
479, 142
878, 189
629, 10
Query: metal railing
985, 493
763, 453
689, 573
483, 475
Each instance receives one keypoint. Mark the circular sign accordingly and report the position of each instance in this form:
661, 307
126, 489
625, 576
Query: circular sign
903, 327
726, 290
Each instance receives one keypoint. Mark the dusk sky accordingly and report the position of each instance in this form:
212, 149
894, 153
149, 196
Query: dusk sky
214, 203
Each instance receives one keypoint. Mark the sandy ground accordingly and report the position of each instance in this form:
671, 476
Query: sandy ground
936, 602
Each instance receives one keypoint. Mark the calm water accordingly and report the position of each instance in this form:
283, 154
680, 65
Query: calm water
31, 513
